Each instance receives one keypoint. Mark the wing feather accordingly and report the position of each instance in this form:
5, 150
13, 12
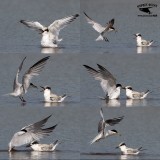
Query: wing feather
32, 132
108, 81
34, 25
33, 71
94, 24
57, 25
15, 83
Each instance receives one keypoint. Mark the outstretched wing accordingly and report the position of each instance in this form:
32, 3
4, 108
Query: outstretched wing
33, 71
112, 122
33, 132
101, 124
57, 25
15, 83
94, 24
108, 81
109, 26
34, 25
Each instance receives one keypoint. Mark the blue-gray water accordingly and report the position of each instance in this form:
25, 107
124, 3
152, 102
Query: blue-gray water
78, 115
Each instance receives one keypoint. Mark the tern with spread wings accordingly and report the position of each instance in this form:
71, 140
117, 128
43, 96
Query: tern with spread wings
50, 34
102, 132
107, 81
20, 89
101, 29
30, 133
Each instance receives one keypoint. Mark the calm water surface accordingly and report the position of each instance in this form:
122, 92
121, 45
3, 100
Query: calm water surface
78, 115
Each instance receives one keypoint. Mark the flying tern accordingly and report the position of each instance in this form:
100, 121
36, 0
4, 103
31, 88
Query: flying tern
19, 89
102, 132
101, 29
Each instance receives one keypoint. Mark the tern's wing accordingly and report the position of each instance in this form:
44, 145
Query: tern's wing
33, 71
15, 83
112, 122
31, 134
145, 42
38, 124
108, 82
132, 151
94, 24
57, 25
101, 124
136, 94
101, 113
109, 25
33, 25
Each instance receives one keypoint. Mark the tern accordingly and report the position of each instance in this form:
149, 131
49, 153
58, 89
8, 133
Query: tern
50, 34
36, 146
129, 151
51, 97
30, 133
108, 81
142, 42
131, 94
100, 29
20, 89
102, 133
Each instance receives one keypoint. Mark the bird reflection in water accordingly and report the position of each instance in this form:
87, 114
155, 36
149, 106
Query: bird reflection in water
136, 102
53, 104
144, 50
32, 155
128, 157
57, 50
112, 103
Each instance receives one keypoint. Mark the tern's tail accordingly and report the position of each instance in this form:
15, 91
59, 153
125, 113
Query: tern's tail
146, 93
54, 145
63, 98
151, 42
100, 38
141, 149
8, 94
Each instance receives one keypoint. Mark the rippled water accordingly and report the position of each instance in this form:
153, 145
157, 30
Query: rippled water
78, 115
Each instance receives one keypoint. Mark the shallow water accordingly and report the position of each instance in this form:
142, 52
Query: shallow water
78, 115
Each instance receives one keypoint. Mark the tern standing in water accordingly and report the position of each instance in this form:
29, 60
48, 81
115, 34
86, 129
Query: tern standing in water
142, 42
131, 94
107, 81
129, 151
51, 97
30, 133
36, 146
50, 34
